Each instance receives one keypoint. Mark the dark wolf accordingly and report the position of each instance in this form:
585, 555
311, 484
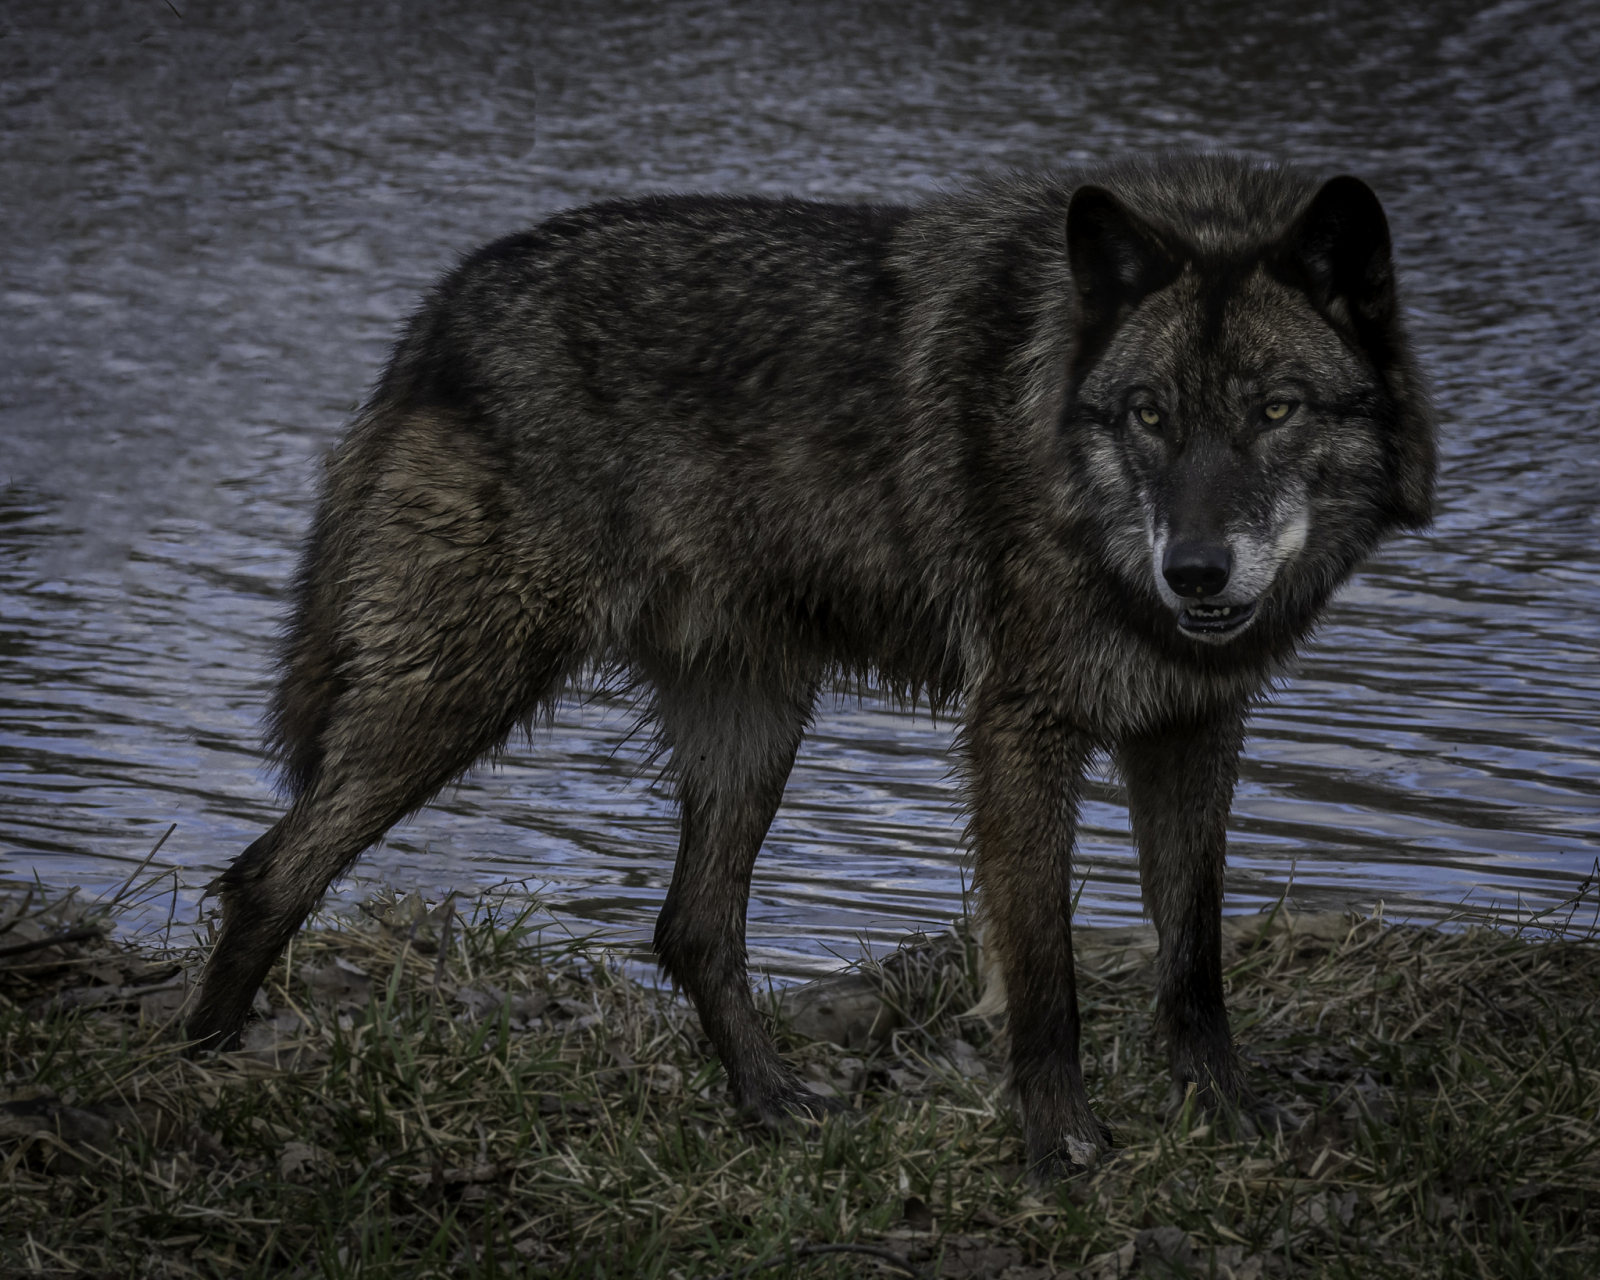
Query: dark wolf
1082, 455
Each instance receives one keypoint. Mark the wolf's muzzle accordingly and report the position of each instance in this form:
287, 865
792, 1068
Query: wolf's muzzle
1197, 569
1198, 572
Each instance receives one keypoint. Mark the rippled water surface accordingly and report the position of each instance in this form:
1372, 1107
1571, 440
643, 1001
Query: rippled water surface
213, 224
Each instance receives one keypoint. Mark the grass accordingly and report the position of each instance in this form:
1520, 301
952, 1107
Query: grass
438, 1093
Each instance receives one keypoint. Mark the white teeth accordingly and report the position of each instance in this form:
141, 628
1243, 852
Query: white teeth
1216, 618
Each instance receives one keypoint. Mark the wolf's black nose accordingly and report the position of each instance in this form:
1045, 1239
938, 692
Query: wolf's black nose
1197, 568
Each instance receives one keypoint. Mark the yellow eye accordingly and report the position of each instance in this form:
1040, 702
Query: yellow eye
1277, 411
1149, 417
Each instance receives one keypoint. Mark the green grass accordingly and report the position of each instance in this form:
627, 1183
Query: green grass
560, 1119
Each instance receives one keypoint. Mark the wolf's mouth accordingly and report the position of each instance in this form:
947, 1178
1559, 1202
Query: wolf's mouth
1215, 619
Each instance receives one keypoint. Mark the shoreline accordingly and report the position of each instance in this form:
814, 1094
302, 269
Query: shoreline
428, 1092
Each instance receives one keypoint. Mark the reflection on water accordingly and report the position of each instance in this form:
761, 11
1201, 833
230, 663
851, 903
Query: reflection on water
214, 224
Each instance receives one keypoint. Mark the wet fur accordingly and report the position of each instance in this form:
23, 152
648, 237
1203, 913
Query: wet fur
745, 449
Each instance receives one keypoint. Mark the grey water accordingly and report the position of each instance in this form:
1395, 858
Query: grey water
214, 216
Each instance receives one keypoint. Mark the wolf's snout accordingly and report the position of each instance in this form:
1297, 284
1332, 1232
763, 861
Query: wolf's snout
1197, 569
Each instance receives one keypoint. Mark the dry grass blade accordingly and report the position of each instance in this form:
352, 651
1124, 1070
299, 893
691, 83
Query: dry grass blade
128, 884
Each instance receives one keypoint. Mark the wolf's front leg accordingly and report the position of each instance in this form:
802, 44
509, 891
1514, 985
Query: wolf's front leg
1026, 770
1180, 788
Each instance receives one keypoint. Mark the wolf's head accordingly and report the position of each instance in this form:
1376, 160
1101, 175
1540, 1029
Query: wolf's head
1243, 408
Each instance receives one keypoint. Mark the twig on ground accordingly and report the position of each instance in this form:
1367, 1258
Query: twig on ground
83, 933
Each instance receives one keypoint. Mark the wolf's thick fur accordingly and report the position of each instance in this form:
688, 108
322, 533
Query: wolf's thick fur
1083, 454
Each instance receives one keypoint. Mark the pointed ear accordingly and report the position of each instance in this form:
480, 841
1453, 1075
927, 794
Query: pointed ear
1339, 249
1117, 258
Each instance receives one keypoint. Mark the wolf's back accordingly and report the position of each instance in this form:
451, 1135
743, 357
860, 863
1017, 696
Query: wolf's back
652, 381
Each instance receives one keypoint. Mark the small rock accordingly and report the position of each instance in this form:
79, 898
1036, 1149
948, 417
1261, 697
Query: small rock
1169, 1245
63, 1134
410, 917
339, 979
1113, 951
1116, 1265
1309, 933
848, 1010
972, 1258
277, 1041
964, 1060
905, 1081
480, 1002
300, 1160
70, 1124
158, 1125
163, 1003
1231, 1263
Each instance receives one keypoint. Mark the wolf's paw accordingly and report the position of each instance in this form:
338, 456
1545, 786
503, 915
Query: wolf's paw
790, 1106
211, 1034
1067, 1156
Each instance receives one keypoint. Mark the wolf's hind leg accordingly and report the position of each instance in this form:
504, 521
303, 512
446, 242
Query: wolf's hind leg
733, 744
1180, 787
451, 636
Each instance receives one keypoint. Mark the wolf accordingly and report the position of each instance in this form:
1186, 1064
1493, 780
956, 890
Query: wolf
1078, 456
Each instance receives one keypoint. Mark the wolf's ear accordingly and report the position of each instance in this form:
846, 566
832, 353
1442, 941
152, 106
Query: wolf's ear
1339, 248
1339, 251
1117, 257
